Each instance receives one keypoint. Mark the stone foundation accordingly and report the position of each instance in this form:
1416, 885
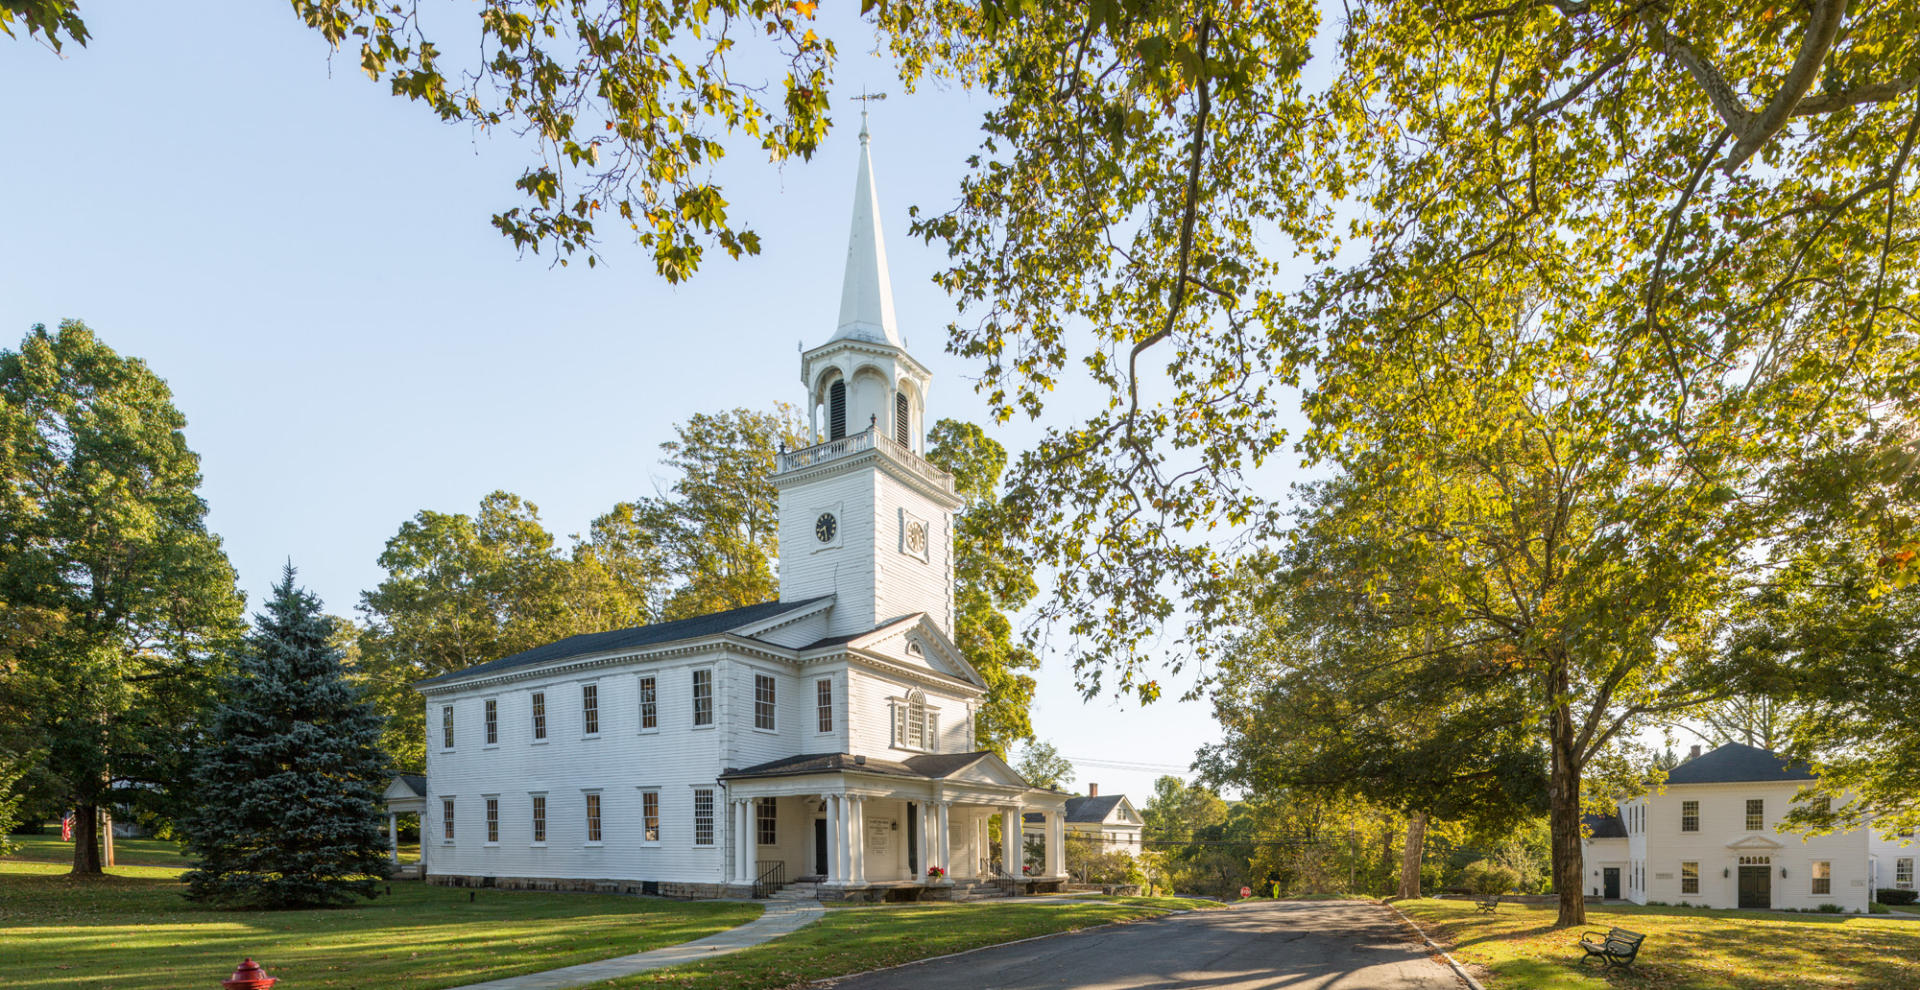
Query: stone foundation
648, 888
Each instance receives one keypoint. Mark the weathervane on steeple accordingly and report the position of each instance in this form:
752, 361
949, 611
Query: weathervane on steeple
866, 98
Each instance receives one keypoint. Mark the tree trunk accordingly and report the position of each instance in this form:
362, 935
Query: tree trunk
86, 841
1411, 853
1563, 789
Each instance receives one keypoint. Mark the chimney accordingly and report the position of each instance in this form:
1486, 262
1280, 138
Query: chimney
1694, 753
1093, 790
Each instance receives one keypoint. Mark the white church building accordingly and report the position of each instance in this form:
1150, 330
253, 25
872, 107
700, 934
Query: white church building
826, 735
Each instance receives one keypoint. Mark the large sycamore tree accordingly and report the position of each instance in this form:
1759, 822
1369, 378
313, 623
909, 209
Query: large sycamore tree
1674, 248
116, 601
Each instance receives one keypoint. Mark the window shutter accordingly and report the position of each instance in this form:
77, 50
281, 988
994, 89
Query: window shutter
902, 429
837, 410
899, 723
933, 732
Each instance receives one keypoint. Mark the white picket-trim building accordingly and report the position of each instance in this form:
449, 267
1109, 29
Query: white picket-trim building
828, 734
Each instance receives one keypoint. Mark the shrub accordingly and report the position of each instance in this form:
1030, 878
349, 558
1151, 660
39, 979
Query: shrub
1829, 909
1878, 908
1890, 895
1487, 878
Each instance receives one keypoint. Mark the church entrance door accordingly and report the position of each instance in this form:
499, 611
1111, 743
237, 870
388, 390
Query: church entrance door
820, 846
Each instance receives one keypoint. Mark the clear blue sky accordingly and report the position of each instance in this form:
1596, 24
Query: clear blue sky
307, 261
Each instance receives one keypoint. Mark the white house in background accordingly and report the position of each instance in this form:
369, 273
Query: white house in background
1110, 821
1711, 838
827, 734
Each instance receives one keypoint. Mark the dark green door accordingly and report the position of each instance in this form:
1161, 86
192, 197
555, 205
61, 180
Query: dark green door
1756, 886
1610, 883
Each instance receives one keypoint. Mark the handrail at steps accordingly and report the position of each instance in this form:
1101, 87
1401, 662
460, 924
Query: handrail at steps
771, 878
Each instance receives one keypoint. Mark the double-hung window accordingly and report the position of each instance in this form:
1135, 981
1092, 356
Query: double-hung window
703, 816
446, 726
703, 697
446, 819
1756, 814
823, 699
1822, 876
539, 715
766, 821
1689, 877
1903, 872
593, 816
762, 701
650, 814
493, 820
539, 819
649, 705
493, 722
1689, 816
590, 709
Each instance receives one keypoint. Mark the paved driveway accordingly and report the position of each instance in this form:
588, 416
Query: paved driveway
1298, 945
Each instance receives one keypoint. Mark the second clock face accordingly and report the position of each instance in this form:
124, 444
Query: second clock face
825, 527
917, 537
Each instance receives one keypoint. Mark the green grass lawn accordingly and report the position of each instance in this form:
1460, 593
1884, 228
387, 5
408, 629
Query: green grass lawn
1686, 948
856, 939
133, 931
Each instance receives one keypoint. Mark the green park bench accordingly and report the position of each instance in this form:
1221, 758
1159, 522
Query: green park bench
1486, 903
1616, 946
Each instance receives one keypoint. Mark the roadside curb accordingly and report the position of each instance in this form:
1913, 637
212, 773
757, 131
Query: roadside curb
828, 981
1458, 970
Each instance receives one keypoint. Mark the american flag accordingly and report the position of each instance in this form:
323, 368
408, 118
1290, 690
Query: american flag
66, 828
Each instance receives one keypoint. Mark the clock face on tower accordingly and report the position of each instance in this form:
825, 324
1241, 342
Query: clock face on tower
825, 527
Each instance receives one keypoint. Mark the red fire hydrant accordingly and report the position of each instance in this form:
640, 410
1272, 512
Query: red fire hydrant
249, 977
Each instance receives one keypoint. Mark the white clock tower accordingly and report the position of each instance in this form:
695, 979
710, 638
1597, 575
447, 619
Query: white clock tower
863, 515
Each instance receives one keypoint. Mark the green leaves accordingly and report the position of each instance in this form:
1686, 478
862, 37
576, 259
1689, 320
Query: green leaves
628, 101
118, 602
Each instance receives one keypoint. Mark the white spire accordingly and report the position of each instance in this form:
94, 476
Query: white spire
866, 297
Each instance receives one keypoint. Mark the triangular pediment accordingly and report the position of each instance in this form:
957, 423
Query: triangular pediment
989, 769
1754, 842
917, 640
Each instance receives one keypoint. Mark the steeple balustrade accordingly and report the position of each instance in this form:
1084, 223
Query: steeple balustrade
855, 443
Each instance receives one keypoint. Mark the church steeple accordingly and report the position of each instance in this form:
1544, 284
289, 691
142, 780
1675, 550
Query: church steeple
863, 515
866, 295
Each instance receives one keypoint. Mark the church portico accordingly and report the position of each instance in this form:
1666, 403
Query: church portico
884, 825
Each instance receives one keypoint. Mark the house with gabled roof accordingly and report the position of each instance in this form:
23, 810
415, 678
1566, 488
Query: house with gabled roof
827, 735
1103, 822
1711, 837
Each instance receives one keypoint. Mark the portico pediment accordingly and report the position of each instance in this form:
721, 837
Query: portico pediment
1753, 843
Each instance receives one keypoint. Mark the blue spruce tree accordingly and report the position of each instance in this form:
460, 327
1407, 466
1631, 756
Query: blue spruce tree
289, 782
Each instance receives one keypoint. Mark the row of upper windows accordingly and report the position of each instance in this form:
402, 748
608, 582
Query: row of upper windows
765, 709
1755, 821
593, 821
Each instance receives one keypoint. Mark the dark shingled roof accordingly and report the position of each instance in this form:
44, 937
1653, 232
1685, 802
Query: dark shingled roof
1083, 809
1735, 762
622, 639
931, 766
850, 637
1605, 826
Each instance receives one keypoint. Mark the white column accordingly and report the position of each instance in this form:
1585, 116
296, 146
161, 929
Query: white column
859, 836
393, 837
837, 846
939, 850
1011, 851
1056, 843
742, 843
832, 802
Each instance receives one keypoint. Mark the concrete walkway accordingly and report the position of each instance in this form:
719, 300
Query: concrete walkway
780, 918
